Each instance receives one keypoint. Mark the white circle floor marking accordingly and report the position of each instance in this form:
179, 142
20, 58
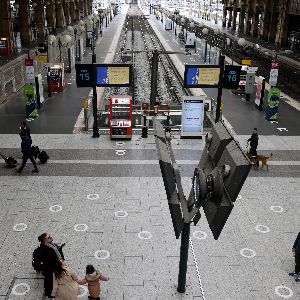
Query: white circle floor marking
144, 235
85, 291
120, 143
242, 252
23, 284
120, 152
239, 197
282, 287
121, 214
80, 227
102, 254
200, 235
262, 228
277, 209
20, 227
92, 196
55, 208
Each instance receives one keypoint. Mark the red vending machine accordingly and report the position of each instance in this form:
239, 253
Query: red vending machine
120, 117
4, 46
56, 77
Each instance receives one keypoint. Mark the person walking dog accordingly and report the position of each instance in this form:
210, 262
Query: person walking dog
253, 144
27, 154
296, 253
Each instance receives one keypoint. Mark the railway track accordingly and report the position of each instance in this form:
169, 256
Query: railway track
138, 35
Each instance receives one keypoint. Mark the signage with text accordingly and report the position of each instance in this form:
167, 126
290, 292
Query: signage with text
231, 77
113, 75
202, 76
84, 75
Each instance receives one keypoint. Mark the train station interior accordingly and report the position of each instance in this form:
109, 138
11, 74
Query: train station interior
145, 111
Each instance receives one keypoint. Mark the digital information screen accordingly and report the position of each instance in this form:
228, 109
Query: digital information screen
84, 75
113, 75
192, 116
201, 76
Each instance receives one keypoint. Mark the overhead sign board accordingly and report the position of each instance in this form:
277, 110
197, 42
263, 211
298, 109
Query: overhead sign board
84, 75
192, 116
231, 77
206, 76
113, 75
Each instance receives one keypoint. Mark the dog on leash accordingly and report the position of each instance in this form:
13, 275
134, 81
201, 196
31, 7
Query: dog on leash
264, 161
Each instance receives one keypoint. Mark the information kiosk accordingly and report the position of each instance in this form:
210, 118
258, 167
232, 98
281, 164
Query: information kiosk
120, 117
56, 77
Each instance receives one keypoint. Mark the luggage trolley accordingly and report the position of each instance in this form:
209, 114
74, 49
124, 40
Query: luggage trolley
120, 117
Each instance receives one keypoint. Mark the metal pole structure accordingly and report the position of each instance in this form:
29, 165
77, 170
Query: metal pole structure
154, 78
184, 253
219, 97
59, 47
216, 20
95, 126
205, 51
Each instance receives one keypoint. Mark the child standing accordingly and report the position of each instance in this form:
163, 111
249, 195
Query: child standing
92, 278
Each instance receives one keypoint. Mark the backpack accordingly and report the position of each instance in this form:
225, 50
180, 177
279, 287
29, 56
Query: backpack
38, 259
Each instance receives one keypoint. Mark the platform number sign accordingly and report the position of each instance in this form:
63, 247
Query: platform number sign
84, 75
231, 76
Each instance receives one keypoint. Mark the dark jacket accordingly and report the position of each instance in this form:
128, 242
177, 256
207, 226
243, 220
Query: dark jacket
50, 257
26, 146
297, 243
253, 140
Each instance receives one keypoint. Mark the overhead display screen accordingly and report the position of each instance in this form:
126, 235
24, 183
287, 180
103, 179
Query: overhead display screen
202, 76
113, 75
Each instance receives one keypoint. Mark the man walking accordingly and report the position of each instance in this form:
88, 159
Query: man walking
27, 154
24, 129
52, 255
253, 144
296, 252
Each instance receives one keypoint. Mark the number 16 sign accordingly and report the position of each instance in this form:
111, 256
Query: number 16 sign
84, 75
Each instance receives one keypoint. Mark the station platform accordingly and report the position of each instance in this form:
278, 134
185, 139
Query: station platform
59, 113
106, 199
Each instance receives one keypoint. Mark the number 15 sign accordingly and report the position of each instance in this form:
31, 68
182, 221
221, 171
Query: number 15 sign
84, 75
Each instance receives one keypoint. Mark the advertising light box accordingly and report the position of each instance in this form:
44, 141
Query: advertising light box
113, 75
192, 116
205, 76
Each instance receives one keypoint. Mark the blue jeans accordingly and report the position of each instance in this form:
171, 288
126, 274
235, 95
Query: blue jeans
25, 158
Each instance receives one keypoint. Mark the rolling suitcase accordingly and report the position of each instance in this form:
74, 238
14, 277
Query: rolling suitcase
10, 161
43, 157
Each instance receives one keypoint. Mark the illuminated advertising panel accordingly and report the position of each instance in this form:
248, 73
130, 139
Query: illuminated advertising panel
192, 116
113, 75
206, 76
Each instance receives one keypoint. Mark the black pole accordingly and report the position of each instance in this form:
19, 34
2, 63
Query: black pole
95, 126
59, 46
219, 97
184, 253
154, 78
205, 51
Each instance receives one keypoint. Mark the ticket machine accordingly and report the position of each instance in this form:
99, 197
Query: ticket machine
4, 46
56, 77
120, 117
